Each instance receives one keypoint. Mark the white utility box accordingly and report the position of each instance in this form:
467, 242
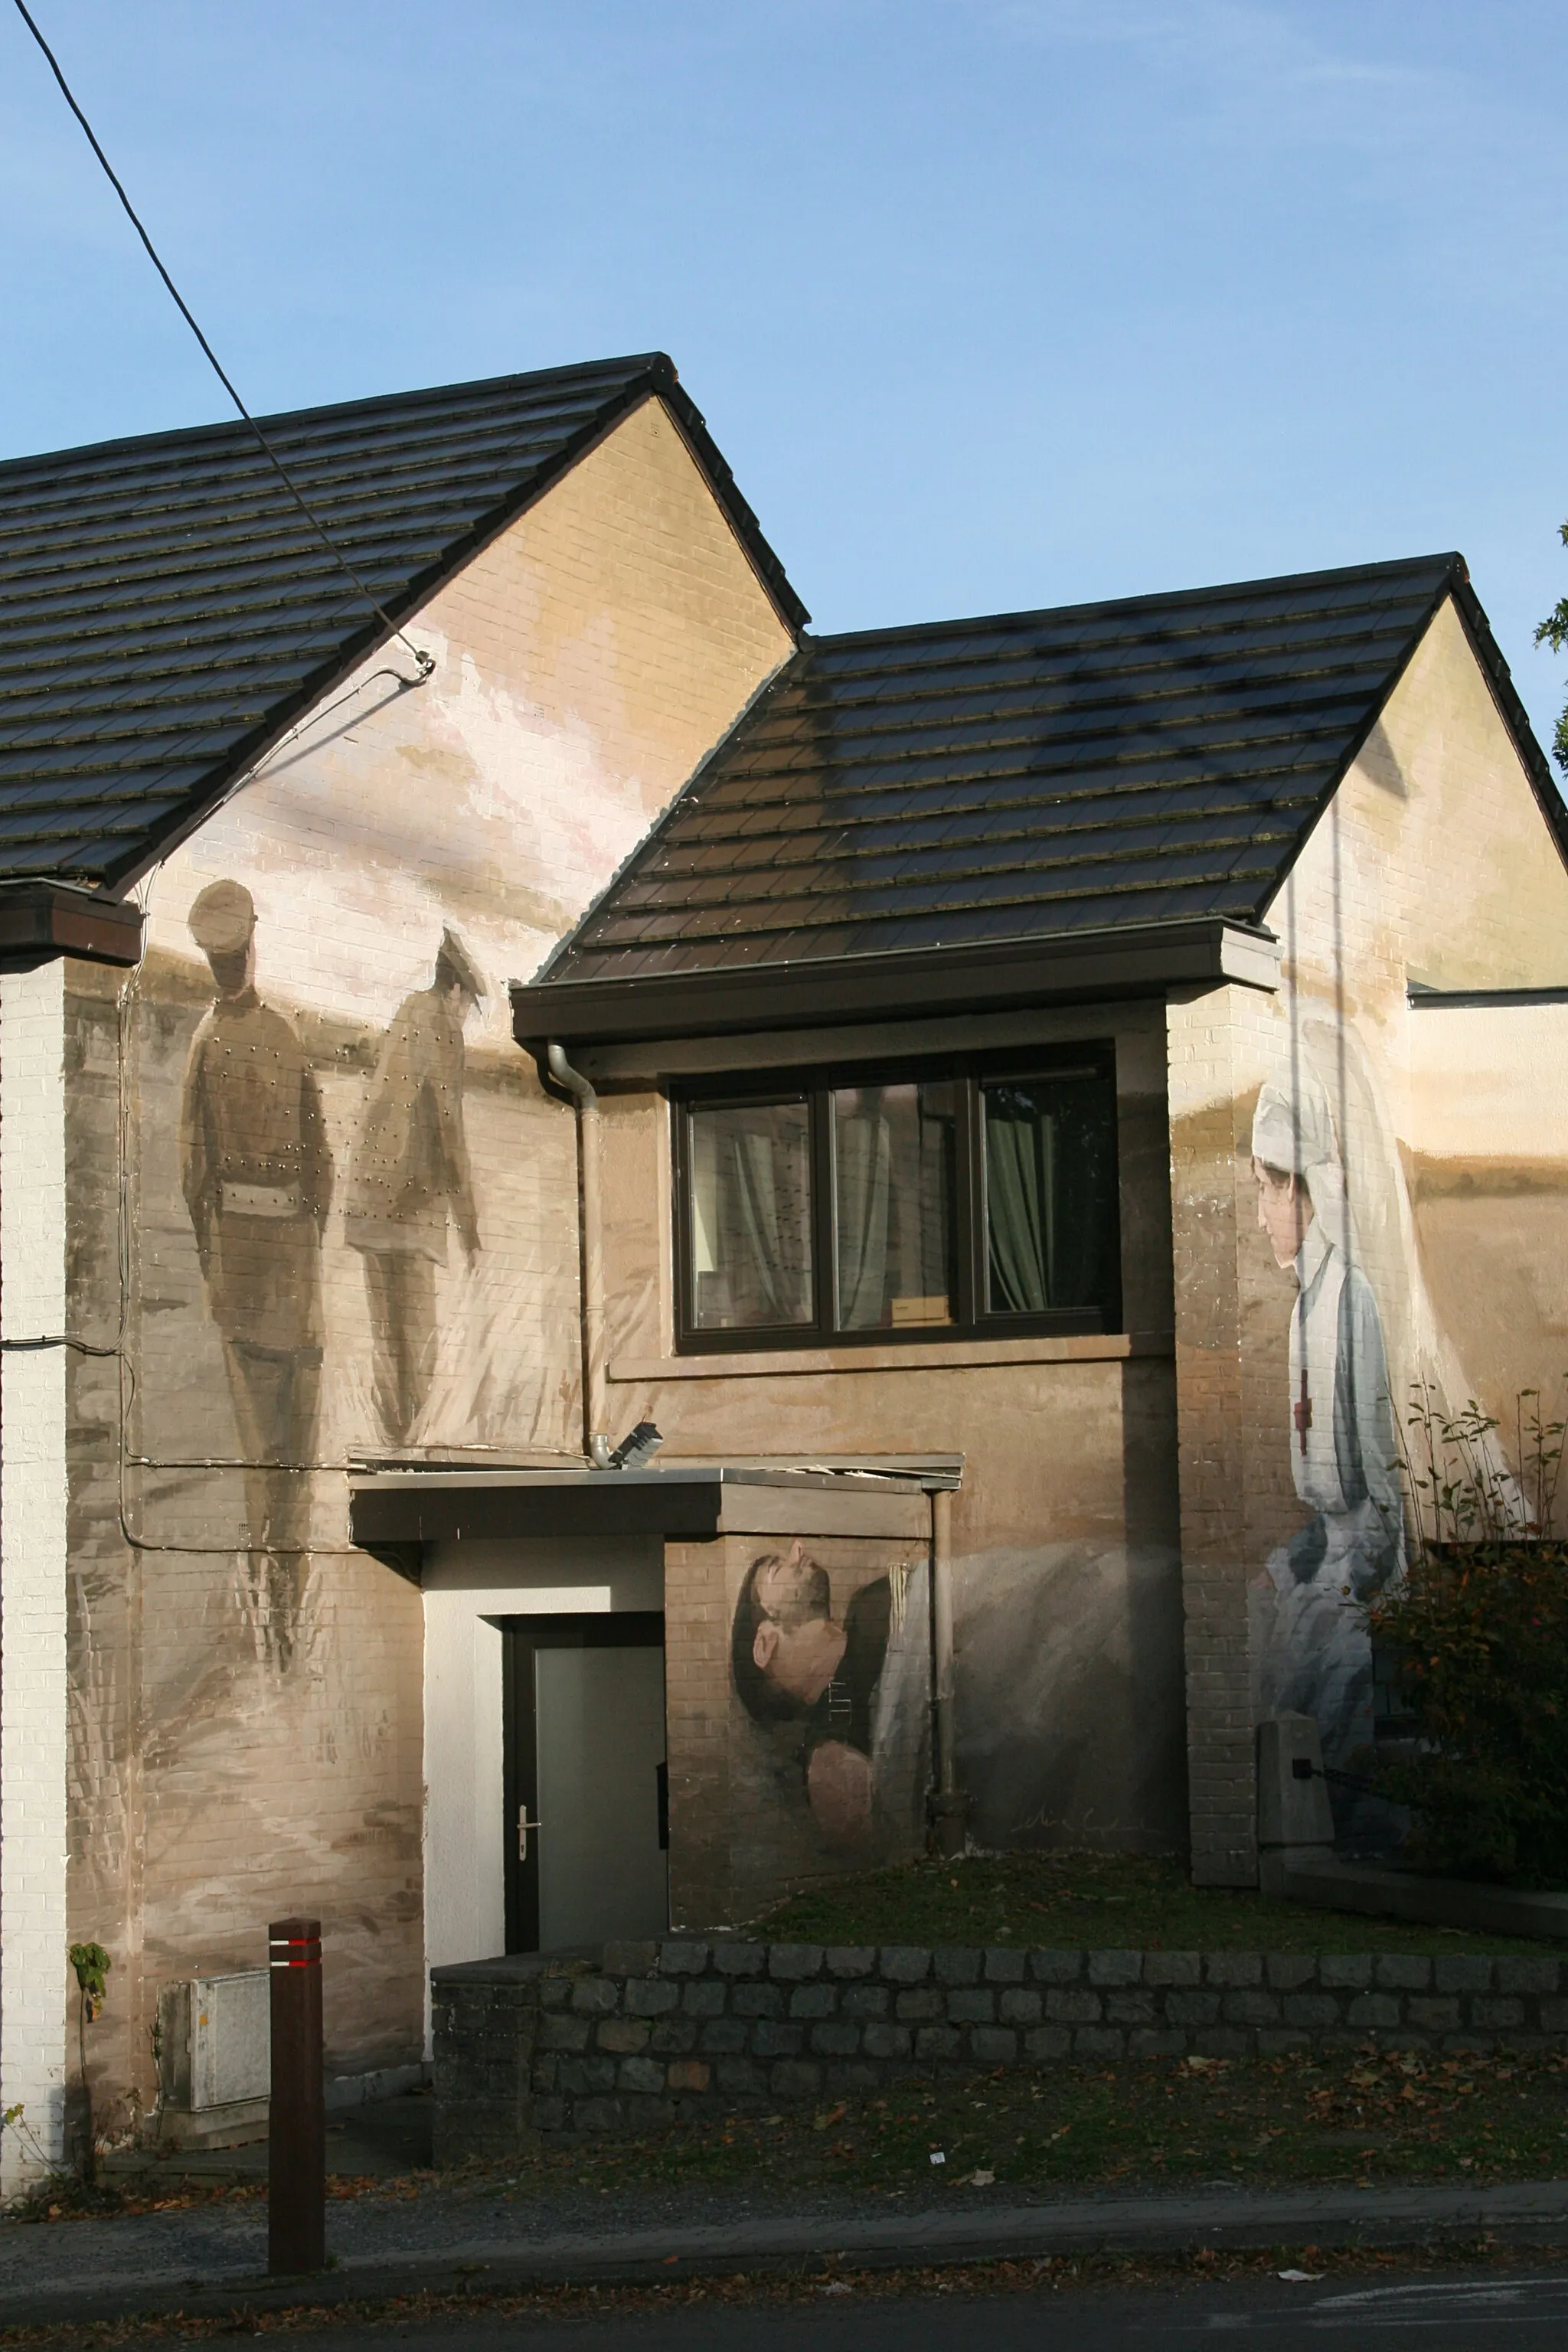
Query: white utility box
215, 2058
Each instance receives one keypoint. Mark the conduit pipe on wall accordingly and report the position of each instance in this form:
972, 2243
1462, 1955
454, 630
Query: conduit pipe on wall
595, 1436
949, 1809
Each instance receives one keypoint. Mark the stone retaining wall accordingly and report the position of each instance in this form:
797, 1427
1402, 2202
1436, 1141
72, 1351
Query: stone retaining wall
653, 2032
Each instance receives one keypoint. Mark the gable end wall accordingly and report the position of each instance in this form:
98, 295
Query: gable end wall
246, 1727
1433, 862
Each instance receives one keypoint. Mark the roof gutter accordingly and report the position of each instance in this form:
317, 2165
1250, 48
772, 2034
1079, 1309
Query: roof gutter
40, 920
1143, 960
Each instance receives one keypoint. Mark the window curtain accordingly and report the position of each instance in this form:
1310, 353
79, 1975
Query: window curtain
765, 1274
863, 1164
1021, 1201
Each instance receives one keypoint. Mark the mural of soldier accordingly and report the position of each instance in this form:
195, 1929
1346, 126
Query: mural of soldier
257, 1173
1343, 1447
859, 1688
410, 1182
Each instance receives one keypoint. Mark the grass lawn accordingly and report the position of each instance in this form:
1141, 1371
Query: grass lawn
1367, 2119
1066, 1902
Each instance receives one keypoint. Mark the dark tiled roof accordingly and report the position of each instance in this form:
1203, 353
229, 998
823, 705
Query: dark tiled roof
165, 610
1027, 778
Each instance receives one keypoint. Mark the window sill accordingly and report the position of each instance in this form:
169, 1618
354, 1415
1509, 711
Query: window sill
910, 1356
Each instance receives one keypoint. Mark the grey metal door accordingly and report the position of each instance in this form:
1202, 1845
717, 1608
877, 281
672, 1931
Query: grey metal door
587, 1830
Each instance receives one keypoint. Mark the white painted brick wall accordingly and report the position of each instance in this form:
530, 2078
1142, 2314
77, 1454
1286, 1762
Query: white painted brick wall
32, 1495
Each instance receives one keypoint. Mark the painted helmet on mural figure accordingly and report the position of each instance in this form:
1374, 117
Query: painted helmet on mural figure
222, 918
453, 962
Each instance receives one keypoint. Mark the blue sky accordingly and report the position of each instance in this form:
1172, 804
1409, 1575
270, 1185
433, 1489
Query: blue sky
990, 303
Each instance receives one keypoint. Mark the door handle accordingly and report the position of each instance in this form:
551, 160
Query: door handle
524, 1826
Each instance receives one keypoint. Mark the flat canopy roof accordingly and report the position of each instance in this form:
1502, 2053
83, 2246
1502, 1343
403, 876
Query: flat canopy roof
418, 1507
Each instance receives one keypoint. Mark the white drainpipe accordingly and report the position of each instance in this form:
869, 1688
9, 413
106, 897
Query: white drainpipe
596, 1416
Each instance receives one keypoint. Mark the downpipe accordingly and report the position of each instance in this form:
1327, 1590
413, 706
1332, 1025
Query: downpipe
595, 1414
949, 1806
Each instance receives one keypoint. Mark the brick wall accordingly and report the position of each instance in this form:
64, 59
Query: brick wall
742, 1832
33, 1570
661, 2033
1065, 1572
587, 659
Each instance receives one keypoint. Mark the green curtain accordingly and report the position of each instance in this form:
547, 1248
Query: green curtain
1021, 1201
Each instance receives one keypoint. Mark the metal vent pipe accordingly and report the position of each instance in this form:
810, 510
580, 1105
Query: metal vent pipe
595, 1414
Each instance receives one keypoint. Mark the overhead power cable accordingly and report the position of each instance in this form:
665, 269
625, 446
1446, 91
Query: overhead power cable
425, 661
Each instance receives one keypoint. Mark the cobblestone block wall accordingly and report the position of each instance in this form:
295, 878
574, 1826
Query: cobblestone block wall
656, 2032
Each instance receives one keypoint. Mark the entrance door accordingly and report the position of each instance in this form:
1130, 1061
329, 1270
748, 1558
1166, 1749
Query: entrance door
587, 1812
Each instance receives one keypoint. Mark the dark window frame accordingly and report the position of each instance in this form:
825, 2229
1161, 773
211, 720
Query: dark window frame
969, 1074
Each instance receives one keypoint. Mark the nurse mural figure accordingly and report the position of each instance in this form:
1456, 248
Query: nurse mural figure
1318, 1659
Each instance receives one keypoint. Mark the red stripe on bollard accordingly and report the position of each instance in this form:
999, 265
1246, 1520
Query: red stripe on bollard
297, 2127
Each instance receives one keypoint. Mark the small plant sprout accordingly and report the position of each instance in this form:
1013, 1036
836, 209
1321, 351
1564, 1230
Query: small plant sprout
91, 1965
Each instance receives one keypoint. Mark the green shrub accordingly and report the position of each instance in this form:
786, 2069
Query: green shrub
1480, 1634
1478, 1630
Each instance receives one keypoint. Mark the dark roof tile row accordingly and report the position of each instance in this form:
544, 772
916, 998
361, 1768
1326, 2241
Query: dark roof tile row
1025, 776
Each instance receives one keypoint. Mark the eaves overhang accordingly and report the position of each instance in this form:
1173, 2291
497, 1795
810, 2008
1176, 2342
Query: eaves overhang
1086, 967
39, 921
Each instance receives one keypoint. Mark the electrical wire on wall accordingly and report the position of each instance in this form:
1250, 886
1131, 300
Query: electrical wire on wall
425, 661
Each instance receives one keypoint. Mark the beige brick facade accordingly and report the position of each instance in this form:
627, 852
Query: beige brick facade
741, 1834
1065, 1541
587, 659
234, 1691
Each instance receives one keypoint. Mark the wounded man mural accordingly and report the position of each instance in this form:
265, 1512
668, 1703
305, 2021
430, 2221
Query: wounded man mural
844, 1698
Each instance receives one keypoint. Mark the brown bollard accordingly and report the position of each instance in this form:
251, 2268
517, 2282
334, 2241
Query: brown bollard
297, 2124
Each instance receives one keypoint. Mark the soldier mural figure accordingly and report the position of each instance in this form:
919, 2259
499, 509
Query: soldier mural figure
257, 1181
411, 1181
1343, 1445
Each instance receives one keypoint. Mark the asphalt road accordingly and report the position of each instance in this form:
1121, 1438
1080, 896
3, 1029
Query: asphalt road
1515, 2312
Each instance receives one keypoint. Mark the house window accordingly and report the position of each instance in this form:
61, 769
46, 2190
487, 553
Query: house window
882, 1204
749, 1183
892, 1153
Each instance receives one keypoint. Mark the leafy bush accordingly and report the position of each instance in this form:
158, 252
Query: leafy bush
1478, 1628
1480, 1632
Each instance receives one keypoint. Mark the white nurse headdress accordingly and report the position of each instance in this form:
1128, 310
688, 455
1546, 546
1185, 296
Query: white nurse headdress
1293, 1128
